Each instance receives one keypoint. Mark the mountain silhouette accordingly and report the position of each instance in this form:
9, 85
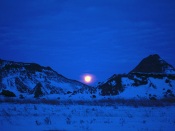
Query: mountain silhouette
154, 64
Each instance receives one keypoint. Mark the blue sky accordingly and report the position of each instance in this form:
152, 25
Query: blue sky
74, 37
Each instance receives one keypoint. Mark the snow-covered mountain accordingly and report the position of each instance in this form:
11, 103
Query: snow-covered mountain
33, 80
153, 79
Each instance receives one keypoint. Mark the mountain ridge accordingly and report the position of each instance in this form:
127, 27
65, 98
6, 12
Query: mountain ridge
22, 77
153, 78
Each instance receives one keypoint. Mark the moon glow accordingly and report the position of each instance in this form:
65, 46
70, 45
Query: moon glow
87, 78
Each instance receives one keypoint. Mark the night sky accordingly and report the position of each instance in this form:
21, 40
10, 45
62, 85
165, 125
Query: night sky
75, 37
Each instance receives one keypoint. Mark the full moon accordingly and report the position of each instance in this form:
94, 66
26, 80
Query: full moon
88, 79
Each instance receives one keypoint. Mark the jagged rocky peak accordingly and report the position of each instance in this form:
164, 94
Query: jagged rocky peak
154, 64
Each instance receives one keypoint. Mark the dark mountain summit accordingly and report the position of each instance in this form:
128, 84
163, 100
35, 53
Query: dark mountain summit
154, 64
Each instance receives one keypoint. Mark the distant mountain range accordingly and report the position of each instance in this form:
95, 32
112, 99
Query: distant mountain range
153, 78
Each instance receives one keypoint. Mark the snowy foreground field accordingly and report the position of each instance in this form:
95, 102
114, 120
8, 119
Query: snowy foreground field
67, 116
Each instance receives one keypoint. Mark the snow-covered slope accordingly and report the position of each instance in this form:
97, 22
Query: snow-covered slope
15, 117
140, 86
30, 79
152, 79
